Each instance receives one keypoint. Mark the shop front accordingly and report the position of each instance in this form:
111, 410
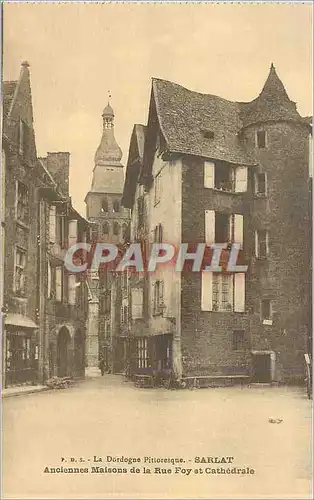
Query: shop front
21, 350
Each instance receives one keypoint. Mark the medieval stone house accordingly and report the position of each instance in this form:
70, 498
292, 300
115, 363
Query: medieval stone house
215, 171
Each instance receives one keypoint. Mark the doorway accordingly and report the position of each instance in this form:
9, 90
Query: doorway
63, 345
262, 368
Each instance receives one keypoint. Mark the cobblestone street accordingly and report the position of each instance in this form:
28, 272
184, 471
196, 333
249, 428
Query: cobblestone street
107, 416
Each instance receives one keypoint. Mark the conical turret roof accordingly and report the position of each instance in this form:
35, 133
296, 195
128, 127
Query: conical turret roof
272, 104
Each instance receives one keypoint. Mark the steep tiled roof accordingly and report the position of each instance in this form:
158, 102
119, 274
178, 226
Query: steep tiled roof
209, 126
273, 103
8, 89
140, 136
185, 115
135, 161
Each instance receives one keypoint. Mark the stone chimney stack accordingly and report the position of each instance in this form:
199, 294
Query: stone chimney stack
58, 165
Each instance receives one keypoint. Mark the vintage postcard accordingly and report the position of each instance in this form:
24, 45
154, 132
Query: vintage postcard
156, 237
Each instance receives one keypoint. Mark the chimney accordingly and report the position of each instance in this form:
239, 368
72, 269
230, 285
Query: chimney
58, 165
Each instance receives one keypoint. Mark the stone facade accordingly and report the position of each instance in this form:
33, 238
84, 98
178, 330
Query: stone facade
33, 316
240, 175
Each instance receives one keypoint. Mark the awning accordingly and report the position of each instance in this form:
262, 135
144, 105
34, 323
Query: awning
19, 320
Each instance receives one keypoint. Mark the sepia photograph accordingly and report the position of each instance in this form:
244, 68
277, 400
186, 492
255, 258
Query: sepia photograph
156, 250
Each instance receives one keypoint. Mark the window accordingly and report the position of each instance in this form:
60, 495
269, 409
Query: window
124, 230
52, 224
124, 312
261, 244
72, 234
59, 283
94, 232
61, 227
266, 311
19, 275
72, 286
158, 297
222, 228
142, 353
140, 211
260, 184
224, 177
105, 228
104, 205
223, 292
158, 234
23, 138
208, 134
22, 202
116, 228
261, 139
116, 206
157, 188
137, 303
238, 340
49, 280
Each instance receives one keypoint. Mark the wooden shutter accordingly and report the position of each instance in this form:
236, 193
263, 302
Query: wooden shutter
239, 292
241, 179
209, 226
72, 289
207, 291
59, 284
72, 232
209, 174
52, 224
238, 229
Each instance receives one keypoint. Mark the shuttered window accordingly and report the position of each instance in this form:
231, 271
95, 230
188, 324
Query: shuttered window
137, 303
261, 244
223, 292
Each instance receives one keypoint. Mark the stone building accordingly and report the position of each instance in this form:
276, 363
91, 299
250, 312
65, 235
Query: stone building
216, 171
109, 221
40, 326
63, 297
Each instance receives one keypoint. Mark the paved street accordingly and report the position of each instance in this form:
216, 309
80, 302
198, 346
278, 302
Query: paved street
106, 416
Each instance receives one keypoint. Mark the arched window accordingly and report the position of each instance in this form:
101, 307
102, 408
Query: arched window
124, 229
116, 206
105, 228
104, 205
116, 228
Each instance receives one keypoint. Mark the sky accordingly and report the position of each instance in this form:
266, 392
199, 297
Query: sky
79, 52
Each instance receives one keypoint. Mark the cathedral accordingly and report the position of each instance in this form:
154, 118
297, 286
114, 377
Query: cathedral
109, 222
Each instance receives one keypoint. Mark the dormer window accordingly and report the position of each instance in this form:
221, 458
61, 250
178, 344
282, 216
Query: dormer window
208, 134
261, 139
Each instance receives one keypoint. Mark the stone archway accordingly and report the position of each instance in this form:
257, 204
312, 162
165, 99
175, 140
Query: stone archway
63, 352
